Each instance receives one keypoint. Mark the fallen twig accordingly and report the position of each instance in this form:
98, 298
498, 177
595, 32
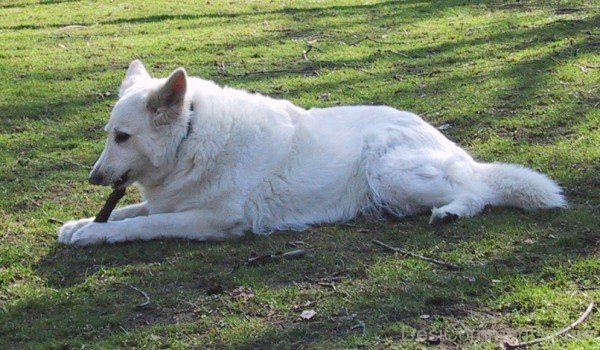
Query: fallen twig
66, 161
429, 73
74, 26
582, 318
304, 70
145, 303
305, 53
326, 284
375, 41
56, 221
296, 244
294, 254
399, 53
360, 325
424, 258
567, 10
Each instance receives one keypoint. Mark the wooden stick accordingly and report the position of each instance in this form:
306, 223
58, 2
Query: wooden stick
145, 303
294, 254
424, 258
582, 318
111, 203
56, 221
305, 53
66, 161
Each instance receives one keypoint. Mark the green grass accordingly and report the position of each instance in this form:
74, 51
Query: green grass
516, 82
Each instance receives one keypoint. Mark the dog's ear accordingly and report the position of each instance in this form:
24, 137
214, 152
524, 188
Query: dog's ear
135, 73
166, 104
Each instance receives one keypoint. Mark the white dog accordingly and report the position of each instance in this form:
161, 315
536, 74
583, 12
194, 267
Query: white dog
215, 162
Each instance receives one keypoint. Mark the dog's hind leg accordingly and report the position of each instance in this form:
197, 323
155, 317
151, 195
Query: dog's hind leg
462, 206
418, 182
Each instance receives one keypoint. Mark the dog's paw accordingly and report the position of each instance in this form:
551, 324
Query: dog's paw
440, 217
90, 234
67, 230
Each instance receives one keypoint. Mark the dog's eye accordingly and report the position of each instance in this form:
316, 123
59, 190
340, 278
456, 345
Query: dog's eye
121, 137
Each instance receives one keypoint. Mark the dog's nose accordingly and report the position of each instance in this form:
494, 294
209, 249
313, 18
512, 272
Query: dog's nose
96, 178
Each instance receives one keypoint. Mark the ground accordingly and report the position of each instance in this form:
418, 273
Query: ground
514, 81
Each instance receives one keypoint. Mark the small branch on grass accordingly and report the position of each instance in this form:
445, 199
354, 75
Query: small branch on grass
568, 10
399, 53
360, 325
326, 284
55, 221
375, 41
221, 69
305, 53
145, 303
280, 71
428, 74
310, 47
413, 255
296, 244
74, 26
67, 161
582, 318
294, 254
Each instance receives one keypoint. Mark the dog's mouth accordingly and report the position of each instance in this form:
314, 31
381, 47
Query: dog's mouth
122, 181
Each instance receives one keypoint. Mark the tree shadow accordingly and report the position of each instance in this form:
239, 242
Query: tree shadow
40, 2
197, 270
423, 10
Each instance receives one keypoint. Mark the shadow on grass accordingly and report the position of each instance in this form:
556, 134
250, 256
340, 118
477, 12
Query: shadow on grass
423, 10
190, 272
85, 282
41, 2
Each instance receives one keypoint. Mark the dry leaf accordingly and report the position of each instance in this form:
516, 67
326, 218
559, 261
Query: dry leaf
324, 97
308, 314
242, 293
444, 126
308, 303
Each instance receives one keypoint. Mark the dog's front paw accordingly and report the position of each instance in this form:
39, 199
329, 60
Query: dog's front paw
90, 234
440, 217
67, 230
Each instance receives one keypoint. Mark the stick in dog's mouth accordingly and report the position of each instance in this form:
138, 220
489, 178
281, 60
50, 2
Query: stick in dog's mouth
122, 180
111, 203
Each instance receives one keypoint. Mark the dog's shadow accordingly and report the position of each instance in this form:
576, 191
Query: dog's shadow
66, 266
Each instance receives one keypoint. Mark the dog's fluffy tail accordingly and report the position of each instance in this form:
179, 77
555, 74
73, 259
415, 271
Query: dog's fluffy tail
518, 186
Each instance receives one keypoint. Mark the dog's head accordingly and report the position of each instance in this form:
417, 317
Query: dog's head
145, 128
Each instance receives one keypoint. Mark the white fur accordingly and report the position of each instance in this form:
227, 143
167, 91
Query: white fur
253, 163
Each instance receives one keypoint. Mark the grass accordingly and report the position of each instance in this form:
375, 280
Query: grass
513, 81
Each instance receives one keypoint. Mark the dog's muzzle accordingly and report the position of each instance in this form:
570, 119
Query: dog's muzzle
98, 178
122, 180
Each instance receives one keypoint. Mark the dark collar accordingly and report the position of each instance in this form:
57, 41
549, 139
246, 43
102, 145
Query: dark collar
190, 128
189, 125
188, 132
